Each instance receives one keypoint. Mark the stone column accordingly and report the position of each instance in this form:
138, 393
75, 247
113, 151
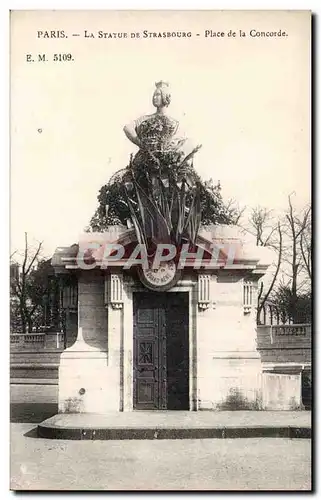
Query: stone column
114, 300
85, 376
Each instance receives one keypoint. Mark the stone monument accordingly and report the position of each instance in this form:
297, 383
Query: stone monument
180, 335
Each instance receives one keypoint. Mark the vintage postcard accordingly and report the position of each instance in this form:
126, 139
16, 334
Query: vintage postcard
160, 263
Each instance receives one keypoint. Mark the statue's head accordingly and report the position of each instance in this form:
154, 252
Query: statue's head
161, 96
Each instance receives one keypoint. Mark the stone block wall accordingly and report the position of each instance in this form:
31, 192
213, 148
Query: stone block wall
92, 310
282, 347
228, 364
281, 391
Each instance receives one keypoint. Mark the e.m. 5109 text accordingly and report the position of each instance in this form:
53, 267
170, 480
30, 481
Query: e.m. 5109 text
52, 57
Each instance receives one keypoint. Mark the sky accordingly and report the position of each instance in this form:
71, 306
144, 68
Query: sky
246, 100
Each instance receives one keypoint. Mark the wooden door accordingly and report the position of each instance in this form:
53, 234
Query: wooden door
161, 351
149, 352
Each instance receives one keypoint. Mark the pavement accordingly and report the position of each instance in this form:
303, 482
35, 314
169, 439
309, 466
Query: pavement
176, 465
178, 425
179, 419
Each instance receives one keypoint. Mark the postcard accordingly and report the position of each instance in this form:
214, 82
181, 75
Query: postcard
160, 262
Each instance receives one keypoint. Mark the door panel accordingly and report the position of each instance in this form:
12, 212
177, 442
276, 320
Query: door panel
146, 352
161, 351
177, 347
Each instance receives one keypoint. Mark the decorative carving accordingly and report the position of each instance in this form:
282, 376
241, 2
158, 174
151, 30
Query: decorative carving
162, 278
247, 296
204, 288
296, 330
145, 353
114, 291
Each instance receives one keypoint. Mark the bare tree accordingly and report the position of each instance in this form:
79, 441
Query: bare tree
268, 233
306, 244
235, 211
297, 256
264, 295
263, 225
25, 284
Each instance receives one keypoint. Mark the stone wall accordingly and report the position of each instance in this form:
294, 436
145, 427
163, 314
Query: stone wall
281, 391
287, 344
228, 365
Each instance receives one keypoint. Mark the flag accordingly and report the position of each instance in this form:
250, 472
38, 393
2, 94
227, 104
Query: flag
137, 225
154, 223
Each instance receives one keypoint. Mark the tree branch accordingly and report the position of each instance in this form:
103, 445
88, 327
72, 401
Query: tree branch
34, 257
305, 258
276, 271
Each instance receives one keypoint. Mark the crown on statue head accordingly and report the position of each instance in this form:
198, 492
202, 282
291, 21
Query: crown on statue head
161, 84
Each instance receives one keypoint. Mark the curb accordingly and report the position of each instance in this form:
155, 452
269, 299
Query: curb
291, 432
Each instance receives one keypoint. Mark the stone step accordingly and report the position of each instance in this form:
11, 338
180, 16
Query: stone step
176, 425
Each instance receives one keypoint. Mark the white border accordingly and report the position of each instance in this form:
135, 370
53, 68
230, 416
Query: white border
313, 5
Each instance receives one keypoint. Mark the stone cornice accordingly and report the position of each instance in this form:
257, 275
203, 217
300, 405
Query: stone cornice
247, 258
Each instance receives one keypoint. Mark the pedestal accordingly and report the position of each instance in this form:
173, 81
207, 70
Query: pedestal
86, 382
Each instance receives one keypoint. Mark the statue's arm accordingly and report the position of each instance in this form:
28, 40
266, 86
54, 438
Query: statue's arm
130, 133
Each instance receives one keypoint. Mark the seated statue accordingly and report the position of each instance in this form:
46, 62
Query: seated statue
155, 135
154, 132
159, 191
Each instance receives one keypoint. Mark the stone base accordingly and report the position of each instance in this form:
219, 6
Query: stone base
281, 391
177, 425
231, 382
86, 384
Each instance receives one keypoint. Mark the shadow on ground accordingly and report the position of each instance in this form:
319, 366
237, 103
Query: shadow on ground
33, 433
32, 413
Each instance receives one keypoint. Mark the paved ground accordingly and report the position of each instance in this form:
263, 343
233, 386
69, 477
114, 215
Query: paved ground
185, 419
237, 464
245, 464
